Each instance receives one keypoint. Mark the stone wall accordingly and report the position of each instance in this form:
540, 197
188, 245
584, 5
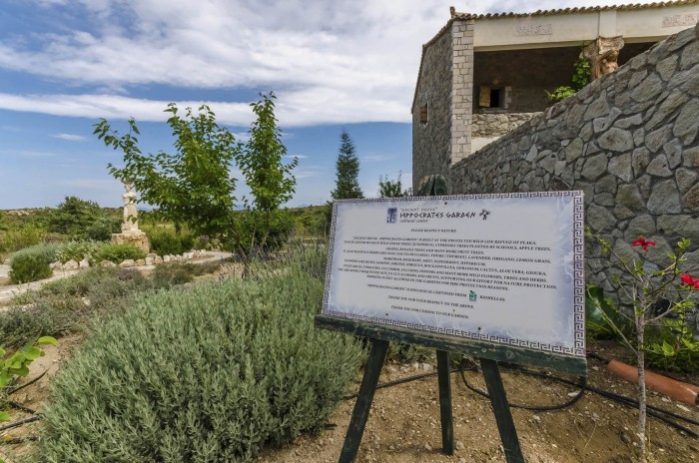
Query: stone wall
431, 140
628, 140
444, 89
497, 124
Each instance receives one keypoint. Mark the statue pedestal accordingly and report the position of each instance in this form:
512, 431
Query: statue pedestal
134, 237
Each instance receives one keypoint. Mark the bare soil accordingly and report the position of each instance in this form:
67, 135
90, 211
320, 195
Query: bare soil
404, 424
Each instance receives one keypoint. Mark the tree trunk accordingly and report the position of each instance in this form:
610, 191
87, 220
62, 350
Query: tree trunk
640, 356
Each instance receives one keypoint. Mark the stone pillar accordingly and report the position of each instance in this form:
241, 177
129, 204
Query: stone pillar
462, 88
603, 54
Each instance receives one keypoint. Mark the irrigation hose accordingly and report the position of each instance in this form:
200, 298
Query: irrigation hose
658, 413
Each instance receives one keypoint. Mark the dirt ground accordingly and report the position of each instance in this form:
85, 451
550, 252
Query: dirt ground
404, 423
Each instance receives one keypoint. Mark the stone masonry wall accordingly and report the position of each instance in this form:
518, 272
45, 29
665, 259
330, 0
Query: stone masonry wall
431, 140
497, 124
462, 89
628, 140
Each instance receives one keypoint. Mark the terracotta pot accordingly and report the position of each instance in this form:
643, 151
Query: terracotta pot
678, 390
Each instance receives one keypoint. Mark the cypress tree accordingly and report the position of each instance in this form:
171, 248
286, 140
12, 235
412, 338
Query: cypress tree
346, 183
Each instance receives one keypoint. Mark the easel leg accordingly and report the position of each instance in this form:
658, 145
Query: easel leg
445, 402
363, 404
501, 409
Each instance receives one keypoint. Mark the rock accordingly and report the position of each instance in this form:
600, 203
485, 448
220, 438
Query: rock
107, 264
84, 264
621, 167
685, 178
639, 160
658, 167
643, 225
595, 166
167, 258
667, 67
150, 260
606, 184
673, 151
71, 265
647, 89
691, 157
600, 219
574, 150
630, 121
630, 197
685, 126
682, 225
140, 262
691, 198
616, 139
664, 198
460, 445
158, 260
56, 266
127, 263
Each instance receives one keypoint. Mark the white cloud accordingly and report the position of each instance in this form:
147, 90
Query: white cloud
330, 62
69, 137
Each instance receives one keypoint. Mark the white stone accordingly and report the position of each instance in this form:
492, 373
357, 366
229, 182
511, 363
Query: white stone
84, 263
71, 265
127, 263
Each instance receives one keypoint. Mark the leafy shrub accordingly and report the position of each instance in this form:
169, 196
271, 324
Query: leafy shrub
261, 232
168, 275
210, 374
82, 219
673, 347
119, 252
15, 239
165, 241
78, 250
32, 264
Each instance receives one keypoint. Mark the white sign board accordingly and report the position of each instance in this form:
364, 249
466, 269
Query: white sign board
504, 268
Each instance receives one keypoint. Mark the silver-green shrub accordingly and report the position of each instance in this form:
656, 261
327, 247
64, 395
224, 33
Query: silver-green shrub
211, 373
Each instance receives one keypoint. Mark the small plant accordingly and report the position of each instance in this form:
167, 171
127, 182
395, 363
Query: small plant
389, 188
15, 366
32, 264
211, 373
15, 239
78, 250
165, 240
119, 252
582, 75
654, 294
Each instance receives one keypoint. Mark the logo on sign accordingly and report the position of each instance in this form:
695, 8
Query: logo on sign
392, 215
472, 296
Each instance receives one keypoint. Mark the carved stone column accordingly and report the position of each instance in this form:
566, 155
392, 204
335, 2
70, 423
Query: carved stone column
603, 54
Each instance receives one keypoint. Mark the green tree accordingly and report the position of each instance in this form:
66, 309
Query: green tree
193, 186
82, 219
390, 188
263, 226
271, 181
346, 183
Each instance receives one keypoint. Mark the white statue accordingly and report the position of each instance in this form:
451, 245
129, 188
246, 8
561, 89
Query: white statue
130, 224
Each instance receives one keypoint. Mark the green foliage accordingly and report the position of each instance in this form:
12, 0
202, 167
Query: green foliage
260, 232
193, 186
23, 236
309, 221
673, 347
16, 365
561, 93
32, 263
347, 171
81, 219
119, 252
390, 188
582, 75
602, 315
166, 240
78, 250
208, 374
271, 182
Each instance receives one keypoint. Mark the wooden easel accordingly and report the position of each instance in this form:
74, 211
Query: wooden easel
501, 407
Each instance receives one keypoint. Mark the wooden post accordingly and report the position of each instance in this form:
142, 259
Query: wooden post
445, 402
501, 409
364, 399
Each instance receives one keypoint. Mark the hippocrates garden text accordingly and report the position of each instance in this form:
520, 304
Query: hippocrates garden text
503, 268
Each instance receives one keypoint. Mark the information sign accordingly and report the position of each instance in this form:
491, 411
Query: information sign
503, 269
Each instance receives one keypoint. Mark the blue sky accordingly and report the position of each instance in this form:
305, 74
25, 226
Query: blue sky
334, 65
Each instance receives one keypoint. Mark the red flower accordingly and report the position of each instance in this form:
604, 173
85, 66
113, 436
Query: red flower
689, 280
644, 243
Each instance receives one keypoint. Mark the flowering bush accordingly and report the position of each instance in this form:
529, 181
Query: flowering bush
655, 293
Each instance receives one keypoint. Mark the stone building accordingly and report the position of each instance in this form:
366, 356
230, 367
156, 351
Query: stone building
482, 75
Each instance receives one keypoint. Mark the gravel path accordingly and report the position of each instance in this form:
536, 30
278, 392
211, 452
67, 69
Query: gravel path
9, 292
